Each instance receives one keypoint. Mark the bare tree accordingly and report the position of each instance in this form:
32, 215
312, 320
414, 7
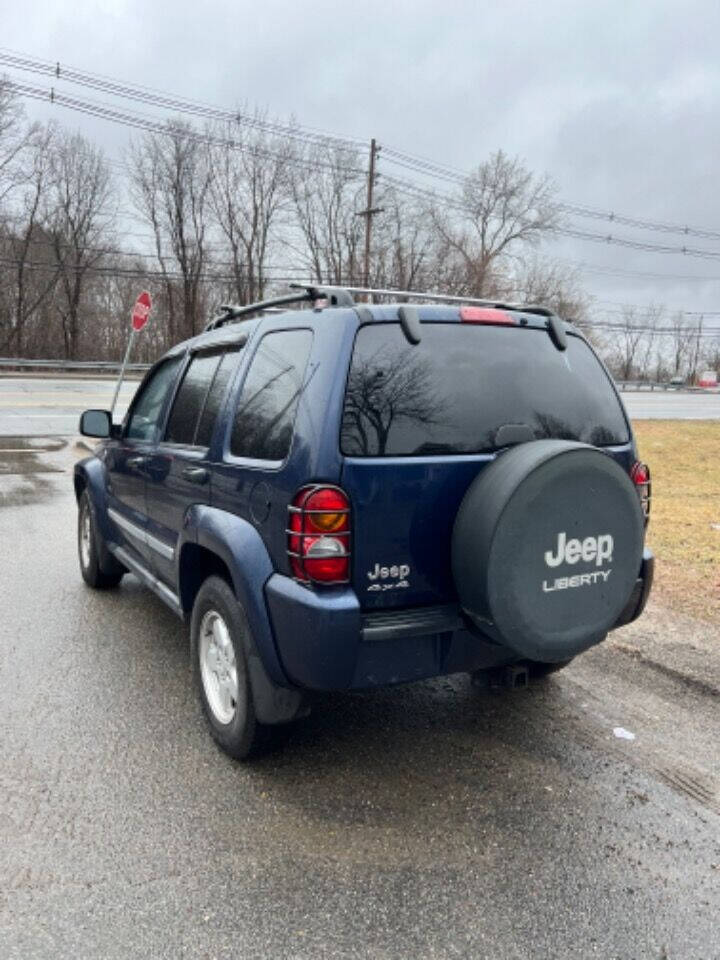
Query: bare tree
695, 335
501, 208
650, 319
15, 137
711, 355
170, 183
327, 190
548, 282
679, 343
404, 254
80, 217
249, 190
28, 240
627, 342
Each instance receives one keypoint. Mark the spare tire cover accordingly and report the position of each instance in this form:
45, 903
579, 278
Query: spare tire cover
547, 546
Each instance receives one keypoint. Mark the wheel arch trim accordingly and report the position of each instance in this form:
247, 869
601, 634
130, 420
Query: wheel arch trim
240, 547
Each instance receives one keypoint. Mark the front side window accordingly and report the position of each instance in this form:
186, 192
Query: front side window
148, 406
265, 415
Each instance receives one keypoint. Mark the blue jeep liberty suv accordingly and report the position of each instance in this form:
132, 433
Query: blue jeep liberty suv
345, 495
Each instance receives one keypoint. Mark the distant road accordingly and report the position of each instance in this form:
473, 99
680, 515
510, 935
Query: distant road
36, 406
672, 405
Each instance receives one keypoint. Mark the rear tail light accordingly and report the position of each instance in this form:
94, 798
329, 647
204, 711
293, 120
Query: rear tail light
319, 535
640, 476
486, 315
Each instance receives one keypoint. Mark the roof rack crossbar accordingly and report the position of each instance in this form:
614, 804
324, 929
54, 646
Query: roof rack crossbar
337, 296
231, 312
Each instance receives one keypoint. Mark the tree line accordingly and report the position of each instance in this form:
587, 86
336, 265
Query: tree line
202, 215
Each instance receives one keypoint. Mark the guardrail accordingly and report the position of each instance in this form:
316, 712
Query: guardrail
20, 363
109, 365
658, 385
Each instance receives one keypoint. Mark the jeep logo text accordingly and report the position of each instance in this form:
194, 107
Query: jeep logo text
382, 573
598, 549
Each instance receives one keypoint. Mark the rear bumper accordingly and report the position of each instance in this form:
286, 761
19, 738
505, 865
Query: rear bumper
641, 591
325, 642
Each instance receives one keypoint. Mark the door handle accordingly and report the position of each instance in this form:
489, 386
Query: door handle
196, 474
135, 462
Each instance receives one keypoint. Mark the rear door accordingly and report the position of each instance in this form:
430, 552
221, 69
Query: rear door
420, 421
178, 473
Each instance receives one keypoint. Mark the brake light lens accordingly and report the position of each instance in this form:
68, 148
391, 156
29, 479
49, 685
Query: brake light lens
319, 535
486, 315
640, 476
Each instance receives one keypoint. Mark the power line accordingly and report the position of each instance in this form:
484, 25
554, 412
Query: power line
150, 124
307, 135
148, 96
113, 270
561, 231
108, 111
639, 306
639, 274
437, 171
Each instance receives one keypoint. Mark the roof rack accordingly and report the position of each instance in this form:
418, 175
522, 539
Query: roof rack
448, 298
342, 297
336, 297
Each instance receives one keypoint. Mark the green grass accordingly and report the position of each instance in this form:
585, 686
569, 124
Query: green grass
684, 531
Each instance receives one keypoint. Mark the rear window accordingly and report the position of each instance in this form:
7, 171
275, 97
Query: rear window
451, 393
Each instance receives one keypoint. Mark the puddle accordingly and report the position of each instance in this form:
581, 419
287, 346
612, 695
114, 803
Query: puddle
24, 465
27, 491
11, 445
22, 461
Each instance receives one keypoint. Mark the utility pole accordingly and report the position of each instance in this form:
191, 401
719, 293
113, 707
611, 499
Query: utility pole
370, 211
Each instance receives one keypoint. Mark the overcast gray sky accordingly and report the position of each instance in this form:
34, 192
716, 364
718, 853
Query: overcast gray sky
619, 102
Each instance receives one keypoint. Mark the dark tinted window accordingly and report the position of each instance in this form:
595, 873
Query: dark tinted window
149, 403
190, 398
266, 408
452, 392
214, 399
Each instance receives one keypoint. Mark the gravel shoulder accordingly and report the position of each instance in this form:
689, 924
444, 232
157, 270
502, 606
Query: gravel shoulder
673, 642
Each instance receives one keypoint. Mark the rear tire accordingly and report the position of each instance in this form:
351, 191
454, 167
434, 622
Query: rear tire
99, 569
218, 633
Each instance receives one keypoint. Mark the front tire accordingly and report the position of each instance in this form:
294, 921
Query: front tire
99, 569
218, 634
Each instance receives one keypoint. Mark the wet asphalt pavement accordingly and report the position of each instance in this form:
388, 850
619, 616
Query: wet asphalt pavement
434, 820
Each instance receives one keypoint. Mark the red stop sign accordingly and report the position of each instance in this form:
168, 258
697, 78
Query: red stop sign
141, 310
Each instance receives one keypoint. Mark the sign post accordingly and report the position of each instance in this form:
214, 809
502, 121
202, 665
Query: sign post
140, 316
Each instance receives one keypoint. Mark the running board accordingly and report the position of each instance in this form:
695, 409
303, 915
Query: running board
147, 579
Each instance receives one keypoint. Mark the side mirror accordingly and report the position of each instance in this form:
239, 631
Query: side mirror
96, 423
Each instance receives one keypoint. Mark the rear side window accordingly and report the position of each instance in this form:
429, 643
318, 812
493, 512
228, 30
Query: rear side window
190, 399
199, 398
265, 415
451, 393
214, 399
